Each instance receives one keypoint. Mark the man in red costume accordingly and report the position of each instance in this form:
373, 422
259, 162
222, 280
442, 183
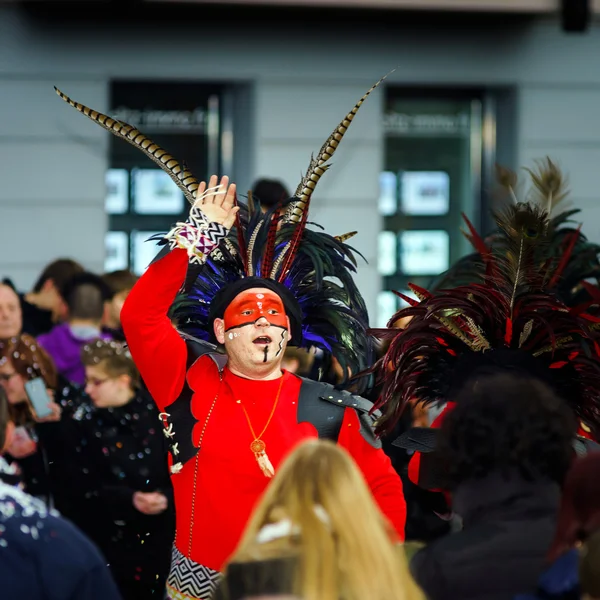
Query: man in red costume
207, 326
243, 415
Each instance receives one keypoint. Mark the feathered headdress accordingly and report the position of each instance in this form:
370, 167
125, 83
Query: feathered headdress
569, 258
277, 247
512, 318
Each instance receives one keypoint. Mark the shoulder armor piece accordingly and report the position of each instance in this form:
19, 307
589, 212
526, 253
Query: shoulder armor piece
364, 408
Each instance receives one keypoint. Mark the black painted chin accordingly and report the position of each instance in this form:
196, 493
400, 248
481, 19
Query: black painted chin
266, 353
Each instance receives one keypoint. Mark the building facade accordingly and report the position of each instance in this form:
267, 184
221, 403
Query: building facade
511, 91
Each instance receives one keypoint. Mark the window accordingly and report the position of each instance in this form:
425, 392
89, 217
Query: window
432, 174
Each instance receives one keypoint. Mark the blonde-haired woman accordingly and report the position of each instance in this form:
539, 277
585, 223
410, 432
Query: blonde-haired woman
317, 534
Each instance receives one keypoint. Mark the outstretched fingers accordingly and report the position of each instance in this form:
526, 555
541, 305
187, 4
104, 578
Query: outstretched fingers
200, 190
212, 192
229, 199
221, 192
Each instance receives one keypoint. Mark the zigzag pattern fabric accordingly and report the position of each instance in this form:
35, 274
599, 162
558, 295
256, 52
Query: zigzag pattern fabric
197, 236
190, 581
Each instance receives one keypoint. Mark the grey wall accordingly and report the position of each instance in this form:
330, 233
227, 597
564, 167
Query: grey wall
299, 84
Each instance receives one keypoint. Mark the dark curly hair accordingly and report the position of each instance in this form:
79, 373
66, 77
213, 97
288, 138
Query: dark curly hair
506, 422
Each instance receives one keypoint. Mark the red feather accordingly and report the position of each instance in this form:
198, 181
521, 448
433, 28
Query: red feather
565, 257
475, 239
558, 365
589, 317
481, 247
592, 290
509, 331
581, 308
267, 262
407, 299
419, 291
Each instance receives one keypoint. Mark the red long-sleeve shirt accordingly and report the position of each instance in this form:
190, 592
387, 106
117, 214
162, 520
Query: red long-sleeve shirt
216, 492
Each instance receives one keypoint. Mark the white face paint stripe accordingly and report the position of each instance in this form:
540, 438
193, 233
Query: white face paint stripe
283, 334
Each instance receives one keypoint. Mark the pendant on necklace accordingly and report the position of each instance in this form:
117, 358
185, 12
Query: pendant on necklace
258, 448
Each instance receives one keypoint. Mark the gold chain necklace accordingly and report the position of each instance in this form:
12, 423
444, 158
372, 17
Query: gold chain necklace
258, 447
212, 406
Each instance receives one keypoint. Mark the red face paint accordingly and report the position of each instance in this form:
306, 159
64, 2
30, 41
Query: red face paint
247, 307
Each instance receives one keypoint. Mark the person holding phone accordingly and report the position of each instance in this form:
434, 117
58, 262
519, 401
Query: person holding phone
43, 555
96, 453
29, 379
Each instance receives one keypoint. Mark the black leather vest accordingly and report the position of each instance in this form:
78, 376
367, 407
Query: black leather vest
320, 404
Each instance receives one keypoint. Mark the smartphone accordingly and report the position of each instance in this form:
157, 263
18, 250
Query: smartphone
38, 397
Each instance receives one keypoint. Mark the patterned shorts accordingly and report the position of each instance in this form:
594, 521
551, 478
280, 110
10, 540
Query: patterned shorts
190, 581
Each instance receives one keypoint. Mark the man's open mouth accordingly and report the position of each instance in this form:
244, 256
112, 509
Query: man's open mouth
262, 340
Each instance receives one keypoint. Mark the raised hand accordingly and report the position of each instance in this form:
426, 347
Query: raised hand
217, 204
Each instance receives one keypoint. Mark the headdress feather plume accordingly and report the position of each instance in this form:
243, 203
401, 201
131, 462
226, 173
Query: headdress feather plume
554, 256
277, 245
182, 177
317, 167
514, 302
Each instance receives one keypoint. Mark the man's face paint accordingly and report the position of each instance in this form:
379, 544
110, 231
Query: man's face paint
256, 328
249, 306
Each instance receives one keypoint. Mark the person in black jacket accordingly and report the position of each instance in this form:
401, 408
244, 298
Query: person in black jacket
107, 449
505, 450
41, 554
123, 456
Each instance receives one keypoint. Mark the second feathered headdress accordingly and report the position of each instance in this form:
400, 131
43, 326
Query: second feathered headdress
506, 314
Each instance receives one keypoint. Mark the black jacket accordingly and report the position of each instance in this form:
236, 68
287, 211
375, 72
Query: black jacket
102, 457
508, 525
44, 557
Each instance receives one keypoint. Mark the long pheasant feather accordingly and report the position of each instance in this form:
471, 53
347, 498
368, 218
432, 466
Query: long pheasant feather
317, 166
182, 177
279, 260
295, 241
345, 236
249, 265
251, 206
